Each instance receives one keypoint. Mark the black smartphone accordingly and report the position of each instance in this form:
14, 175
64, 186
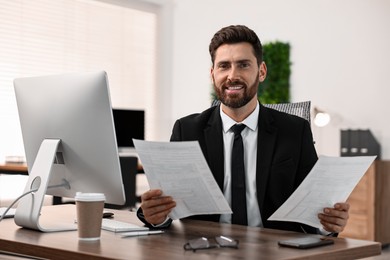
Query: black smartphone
306, 242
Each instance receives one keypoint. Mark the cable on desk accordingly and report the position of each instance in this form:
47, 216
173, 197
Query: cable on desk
16, 200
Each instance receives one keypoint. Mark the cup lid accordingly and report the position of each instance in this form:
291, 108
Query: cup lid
80, 196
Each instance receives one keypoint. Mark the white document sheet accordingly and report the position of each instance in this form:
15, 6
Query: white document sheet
180, 170
331, 180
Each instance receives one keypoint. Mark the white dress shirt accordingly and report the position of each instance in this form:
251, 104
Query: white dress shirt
249, 136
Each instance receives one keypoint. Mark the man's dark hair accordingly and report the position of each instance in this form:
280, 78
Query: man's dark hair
236, 34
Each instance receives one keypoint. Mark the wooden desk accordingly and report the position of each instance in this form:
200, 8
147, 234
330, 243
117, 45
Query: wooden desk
254, 243
14, 168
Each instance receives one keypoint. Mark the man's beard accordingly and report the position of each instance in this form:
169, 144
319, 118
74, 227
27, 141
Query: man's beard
237, 100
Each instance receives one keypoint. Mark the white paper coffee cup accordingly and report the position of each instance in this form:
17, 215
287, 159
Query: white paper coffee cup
89, 215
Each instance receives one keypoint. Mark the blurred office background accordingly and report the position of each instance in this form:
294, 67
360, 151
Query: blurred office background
156, 56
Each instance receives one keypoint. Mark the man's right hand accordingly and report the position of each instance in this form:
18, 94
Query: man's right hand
156, 207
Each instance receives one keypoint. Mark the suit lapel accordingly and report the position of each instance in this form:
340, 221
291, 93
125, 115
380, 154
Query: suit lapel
214, 146
266, 139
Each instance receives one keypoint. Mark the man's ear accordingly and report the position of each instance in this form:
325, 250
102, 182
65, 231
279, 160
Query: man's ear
211, 75
262, 72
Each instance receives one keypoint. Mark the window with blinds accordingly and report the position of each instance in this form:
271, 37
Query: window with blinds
44, 37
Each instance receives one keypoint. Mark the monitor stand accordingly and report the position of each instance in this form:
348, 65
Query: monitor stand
28, 212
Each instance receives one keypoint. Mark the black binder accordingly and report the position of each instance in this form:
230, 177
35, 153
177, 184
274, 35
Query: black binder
344, 143
354, 142
358, 143
368, 144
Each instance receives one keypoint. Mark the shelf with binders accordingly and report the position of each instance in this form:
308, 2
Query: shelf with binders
358, 142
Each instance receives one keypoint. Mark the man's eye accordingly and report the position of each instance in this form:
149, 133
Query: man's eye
223, 66
244, 65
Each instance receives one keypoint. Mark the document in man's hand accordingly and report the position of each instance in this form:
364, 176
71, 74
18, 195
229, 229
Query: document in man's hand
331, 180
180, 170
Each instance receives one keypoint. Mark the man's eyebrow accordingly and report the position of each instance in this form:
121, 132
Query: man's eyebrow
221, 63
243, 61
238, 61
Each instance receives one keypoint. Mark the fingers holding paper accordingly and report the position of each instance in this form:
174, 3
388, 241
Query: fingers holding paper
335, 219
156, 207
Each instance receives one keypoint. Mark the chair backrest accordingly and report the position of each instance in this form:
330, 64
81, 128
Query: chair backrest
301, 109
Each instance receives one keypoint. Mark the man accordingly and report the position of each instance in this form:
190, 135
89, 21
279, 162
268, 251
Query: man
278, 148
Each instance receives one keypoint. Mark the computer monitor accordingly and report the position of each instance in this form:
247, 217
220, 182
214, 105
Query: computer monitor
129, 124
69, 140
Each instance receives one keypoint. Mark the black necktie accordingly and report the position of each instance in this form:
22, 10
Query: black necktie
238, 178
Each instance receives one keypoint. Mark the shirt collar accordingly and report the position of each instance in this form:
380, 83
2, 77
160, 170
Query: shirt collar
251, 121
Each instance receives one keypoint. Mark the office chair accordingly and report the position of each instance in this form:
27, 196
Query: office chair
129, 165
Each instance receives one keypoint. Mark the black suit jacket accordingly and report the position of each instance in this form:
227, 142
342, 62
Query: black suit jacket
285, 155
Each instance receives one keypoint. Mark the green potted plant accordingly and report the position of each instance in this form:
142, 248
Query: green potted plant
276, 87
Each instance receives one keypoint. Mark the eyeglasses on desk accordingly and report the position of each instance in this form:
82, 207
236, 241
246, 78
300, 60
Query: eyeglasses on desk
206, 243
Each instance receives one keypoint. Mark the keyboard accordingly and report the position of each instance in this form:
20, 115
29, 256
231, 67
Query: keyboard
120, 226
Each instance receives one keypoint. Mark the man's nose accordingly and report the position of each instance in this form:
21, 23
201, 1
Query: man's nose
233, 74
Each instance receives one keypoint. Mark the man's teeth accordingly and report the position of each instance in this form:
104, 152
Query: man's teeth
235, 87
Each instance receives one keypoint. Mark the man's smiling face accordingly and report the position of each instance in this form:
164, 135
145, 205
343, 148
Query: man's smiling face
236, 74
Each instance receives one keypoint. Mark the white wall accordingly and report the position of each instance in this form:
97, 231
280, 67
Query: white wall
339, 51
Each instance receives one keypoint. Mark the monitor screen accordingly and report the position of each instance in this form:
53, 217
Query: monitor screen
69, 114
129, 124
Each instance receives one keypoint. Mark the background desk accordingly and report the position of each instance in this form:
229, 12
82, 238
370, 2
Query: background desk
14, 168
129, 165
255, 243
